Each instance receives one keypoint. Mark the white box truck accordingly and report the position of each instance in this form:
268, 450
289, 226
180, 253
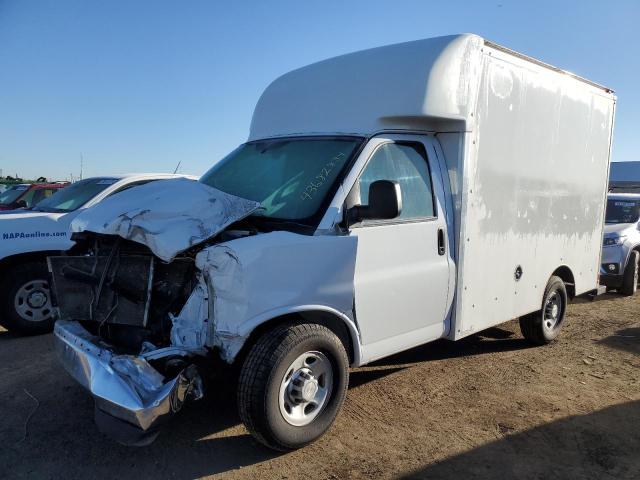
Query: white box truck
384, 199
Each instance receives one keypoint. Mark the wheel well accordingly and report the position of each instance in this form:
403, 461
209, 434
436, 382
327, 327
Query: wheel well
626, 262
566, 275
327, 319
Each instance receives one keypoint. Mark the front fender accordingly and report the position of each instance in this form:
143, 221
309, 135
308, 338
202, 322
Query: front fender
234, 341
254, 279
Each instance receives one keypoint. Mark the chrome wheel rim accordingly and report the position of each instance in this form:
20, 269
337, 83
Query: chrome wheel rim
552, 311
32, 301
305, 388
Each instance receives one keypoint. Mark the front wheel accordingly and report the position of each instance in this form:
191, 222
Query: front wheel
292, 385
25, 300
543, 326
630, 277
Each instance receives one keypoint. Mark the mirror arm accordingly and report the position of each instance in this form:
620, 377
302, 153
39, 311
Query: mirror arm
355, 214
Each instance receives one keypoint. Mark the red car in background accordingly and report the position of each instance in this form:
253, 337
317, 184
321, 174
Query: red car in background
26, 195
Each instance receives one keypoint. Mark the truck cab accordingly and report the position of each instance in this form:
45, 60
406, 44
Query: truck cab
621, 243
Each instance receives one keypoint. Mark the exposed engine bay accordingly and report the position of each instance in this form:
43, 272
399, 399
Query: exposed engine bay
121, 292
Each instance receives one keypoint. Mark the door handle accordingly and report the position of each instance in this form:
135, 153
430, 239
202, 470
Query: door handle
441, 247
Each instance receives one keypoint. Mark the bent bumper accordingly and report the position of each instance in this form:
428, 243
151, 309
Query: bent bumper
126, 388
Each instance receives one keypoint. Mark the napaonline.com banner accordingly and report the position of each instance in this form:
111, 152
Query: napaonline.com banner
21, 235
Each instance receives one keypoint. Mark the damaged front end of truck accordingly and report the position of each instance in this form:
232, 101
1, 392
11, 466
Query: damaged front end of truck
135, 308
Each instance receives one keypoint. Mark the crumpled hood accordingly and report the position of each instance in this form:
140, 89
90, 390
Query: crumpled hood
168, 216
619, 229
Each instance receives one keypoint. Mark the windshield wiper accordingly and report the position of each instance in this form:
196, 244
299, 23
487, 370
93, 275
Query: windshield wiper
280, 222
48, 210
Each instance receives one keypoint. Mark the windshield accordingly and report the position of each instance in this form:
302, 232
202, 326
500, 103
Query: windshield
12, 194
291, 178
74, 196
622, 211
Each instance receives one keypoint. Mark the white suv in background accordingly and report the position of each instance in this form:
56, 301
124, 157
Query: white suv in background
621, 245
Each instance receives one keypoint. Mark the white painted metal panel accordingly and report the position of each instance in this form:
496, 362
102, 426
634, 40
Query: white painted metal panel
533, 191
403, 86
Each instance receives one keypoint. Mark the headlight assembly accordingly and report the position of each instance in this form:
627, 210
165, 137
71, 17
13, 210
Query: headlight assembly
610, 241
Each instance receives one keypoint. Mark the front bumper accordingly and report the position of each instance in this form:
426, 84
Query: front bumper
132, 398
611, 281
612, 265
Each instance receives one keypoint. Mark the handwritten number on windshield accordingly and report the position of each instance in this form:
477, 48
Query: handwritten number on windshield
314, 185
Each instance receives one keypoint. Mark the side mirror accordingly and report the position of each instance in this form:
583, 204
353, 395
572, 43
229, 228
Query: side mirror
385, 202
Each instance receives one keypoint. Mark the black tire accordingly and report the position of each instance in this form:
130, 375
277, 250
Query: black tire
541, 327
262, 376
630, 276
13, 285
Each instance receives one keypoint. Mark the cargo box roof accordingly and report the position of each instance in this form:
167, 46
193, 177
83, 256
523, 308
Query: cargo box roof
421, 85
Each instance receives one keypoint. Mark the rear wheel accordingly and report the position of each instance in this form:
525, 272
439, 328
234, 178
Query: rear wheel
292, 385
25, 299
543, 326
630, 276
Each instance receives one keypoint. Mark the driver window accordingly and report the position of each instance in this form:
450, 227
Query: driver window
407, 165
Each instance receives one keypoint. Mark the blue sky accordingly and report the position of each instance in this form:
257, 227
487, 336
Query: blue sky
142, 85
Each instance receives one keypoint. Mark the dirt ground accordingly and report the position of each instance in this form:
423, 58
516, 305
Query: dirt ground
487, 407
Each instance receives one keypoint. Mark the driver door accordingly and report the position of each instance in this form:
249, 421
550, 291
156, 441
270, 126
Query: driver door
402, 273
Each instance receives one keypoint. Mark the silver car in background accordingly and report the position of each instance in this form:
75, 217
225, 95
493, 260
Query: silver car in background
621, 244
